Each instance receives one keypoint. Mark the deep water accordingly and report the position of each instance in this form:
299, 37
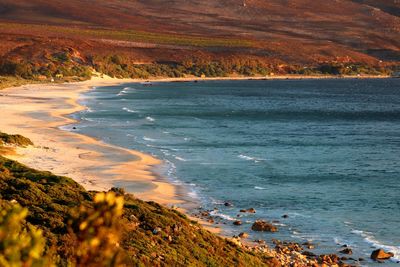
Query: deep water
324, 152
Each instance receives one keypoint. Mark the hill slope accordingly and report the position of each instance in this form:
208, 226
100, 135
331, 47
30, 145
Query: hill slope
295, 32
53, 200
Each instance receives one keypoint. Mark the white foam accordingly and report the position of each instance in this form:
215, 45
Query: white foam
370, 239
87, 119
259, 188
215, 213
180, 159
250, 158
129, 110
149, 139
125, 91
150, 119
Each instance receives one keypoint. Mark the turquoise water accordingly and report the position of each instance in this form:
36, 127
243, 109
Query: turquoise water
325, 152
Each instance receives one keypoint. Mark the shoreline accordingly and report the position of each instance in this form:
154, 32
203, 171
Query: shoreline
39, 112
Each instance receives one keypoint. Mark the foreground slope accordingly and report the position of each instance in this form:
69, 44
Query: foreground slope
150, 234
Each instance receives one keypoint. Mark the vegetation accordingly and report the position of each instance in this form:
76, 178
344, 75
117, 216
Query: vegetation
18, 140
132, 35
101, 229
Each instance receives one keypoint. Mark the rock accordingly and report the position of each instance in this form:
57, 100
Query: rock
361, 259
309, 254
251, 210
237, 223
228, 204
347, 251
263, 226
308, 245
380, 254
259, 241
244, 235
329, 259
285, 216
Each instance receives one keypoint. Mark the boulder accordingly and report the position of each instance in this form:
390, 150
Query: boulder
346, 251
228, 204
263, 226
243, 235
380, 254
237, 223
251, 210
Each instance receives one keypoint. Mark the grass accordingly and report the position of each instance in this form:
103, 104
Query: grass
15, 139
11, 81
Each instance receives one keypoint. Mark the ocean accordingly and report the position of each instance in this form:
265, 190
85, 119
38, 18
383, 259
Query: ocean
324, 152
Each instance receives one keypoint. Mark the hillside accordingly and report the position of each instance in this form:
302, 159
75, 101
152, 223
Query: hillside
279, 35
151, 235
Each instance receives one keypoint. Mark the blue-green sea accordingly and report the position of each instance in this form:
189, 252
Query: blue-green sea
324, 152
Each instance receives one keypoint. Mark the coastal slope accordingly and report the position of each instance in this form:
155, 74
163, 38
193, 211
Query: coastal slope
282, 35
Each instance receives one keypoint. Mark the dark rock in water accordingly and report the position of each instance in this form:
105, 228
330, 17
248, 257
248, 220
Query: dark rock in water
263, 226
243, 235
237, 223
228, 204
285, 216
347, 251
361, 259
309, 254
380, 254
344, 259
74, 128
259, 241
308, 245
344, 246
251, 210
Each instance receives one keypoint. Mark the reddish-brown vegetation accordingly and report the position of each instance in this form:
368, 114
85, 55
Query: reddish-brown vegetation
275, 33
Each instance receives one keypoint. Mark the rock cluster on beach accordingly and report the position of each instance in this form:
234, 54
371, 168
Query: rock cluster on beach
289, 253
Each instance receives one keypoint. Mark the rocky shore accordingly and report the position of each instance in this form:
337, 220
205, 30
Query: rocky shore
287, 253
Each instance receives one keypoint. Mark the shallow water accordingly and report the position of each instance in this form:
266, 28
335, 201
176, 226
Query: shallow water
325, 152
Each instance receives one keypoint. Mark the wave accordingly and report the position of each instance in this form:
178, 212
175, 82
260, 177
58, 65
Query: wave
87, 119
150, 119
215, 213
149, 139
125, 91
370, 239
259, 188
241, 156
180, 159
129, 110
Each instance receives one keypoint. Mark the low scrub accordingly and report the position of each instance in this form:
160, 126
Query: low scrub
14, 139
82, 228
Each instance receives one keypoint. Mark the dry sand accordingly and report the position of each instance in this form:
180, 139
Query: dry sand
38, 112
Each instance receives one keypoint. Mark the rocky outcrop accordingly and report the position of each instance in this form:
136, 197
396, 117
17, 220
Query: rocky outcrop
380, 254
263, 226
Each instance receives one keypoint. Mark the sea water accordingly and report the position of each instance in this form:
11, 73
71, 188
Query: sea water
324, 152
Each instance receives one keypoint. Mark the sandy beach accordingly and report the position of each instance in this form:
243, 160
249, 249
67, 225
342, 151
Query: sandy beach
38, 112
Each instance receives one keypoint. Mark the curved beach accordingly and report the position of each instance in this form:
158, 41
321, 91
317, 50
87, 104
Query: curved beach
40, 111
